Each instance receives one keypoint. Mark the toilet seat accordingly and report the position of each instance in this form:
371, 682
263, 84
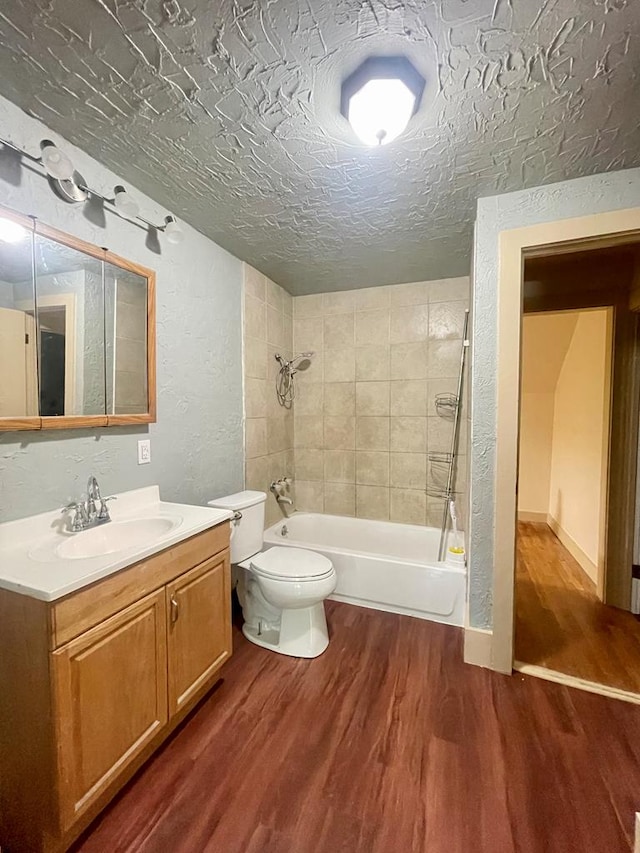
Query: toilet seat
291, 564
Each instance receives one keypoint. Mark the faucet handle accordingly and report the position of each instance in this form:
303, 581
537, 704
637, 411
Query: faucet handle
76, 523
103, 514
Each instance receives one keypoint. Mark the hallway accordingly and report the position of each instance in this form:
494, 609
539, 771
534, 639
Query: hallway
560, 622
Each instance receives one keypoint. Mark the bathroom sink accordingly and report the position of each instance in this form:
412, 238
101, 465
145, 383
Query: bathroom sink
114, 536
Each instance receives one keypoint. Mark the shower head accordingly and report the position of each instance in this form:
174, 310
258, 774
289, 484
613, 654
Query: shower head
302, 361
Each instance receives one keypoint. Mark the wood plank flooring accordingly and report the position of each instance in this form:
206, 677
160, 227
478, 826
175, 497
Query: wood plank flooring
560, 622
387, 743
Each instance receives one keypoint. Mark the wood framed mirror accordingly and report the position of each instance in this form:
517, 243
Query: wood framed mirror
77, 332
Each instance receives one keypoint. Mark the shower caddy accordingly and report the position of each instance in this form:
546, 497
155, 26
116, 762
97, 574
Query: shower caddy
442, 464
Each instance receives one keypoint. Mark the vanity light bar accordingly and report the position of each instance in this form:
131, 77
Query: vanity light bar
71, 187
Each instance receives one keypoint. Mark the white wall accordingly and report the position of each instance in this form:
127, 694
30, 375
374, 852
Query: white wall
580, 427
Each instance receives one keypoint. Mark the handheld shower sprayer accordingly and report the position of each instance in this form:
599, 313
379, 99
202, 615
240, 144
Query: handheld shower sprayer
285, 387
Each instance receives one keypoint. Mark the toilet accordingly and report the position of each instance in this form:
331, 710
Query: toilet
281, 590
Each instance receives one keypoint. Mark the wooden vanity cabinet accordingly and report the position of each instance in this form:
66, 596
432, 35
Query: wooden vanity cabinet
92, 684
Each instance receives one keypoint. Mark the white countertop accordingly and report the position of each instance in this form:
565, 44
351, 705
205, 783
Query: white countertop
28, 560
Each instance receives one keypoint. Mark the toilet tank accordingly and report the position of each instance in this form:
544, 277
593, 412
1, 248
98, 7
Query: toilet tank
246, 531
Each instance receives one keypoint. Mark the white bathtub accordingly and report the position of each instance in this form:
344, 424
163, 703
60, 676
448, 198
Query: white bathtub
380, 564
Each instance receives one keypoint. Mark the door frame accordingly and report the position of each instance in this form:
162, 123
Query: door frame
561, 236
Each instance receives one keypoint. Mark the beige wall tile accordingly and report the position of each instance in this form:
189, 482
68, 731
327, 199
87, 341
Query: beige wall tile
439, 433
340, 302
449, 289
408, 435
274, 327
340, 499
409, 361
444, 359
409, 324
408, 506
339, 466
372, 398
257, 474
372, 363
409, 398
372, 502
339, 331
435, 510
309, 496
309, 397
255, 398
287, 302
372, 433
279, 466
307, 334
309, 464
255, 437
339, 433
272, 512
287, 332
372, 327
277, 437
255, 358
273, 294
255, 318
254, 283
446, 320
408, 470
308, 432
339, 365
340, 398
415, 293
372, 298
372, 467
307, 306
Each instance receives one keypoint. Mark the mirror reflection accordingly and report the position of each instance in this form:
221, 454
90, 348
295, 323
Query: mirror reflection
70, 315
73, 330
18, 356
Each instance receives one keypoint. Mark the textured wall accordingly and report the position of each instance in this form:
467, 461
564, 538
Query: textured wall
268, 313
596, 194
228, 112
365, 414
197, 441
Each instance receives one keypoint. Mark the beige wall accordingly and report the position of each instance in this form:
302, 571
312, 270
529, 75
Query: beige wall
580, 424
365, 415
563, 426
268, 327
545, 341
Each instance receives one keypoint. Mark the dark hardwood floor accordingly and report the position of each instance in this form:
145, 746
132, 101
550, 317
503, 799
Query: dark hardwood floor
388, 742
560, 622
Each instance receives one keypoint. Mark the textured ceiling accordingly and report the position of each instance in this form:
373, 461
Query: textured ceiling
228, 114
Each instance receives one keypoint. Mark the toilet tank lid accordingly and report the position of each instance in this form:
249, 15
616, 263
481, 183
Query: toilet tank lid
241, 500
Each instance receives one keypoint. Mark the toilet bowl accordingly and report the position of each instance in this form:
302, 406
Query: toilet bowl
281, 590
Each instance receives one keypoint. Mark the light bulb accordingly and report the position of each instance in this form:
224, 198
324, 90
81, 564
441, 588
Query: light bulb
124, 203
172, 230
55, 161
11, 232
380, 110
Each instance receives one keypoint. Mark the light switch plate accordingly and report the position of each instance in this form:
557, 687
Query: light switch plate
144, 451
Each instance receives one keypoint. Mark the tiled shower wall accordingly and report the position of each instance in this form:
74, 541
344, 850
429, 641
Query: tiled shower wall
365, 416
268, 320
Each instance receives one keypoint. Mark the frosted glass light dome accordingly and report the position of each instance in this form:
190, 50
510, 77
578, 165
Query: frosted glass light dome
379, 98
380, 111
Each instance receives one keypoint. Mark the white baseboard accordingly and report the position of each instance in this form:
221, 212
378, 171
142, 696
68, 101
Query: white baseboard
540, 517
477, 646
574, 549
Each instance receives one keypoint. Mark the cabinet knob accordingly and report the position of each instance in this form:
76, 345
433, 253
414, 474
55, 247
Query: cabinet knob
175, 609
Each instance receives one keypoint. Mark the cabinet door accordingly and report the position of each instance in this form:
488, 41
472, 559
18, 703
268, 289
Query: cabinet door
110, 688
199, 628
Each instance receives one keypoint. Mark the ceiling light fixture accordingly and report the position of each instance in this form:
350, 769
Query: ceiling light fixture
11, 232
380, 97
71, 187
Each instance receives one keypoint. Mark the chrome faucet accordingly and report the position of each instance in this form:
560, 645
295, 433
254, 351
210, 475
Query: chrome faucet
277, 488
86, 513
